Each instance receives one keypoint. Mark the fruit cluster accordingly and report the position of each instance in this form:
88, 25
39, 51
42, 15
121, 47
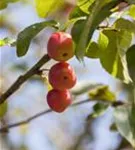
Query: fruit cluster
61, 76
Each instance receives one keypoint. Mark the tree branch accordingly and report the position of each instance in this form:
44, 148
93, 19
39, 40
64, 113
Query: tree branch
26, 121
16, 85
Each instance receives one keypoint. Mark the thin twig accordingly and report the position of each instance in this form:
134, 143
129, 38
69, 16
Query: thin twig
26, 121
6, 128
23, 78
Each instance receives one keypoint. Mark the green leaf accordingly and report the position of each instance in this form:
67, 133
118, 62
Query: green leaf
103, 41
77, 13
3, 109
102, 93
44, 7
125, 121
70, 22
132, 11
24, 37
98, 110
93, 50
130, 55
113, 57
84, 30
4, 3
7, 41
77, 29
124, 24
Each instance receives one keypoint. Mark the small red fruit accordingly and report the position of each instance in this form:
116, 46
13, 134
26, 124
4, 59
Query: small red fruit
60, 46
58, 100
62, 76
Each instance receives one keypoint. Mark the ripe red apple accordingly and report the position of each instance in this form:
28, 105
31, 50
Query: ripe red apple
60, 46
62, 76
58, 100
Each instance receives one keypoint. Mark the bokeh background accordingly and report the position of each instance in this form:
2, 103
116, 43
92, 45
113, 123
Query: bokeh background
70, 130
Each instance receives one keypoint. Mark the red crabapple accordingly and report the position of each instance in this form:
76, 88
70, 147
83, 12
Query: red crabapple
60, 46
58, 100
62, 76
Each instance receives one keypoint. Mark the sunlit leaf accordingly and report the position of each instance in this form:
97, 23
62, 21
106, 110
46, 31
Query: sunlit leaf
93, 50
124, 24
7, 41
44, 7
24, 38
132, 11
84, 5
102, 93
2, 42
113, 57
103, 41
82, 31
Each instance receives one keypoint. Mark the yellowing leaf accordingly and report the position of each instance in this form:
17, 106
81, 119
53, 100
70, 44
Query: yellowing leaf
102, 93
7, 41
44, 7
49, 87
2, 42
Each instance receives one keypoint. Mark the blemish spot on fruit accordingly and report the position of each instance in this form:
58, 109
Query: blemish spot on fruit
65, 77
65, 54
